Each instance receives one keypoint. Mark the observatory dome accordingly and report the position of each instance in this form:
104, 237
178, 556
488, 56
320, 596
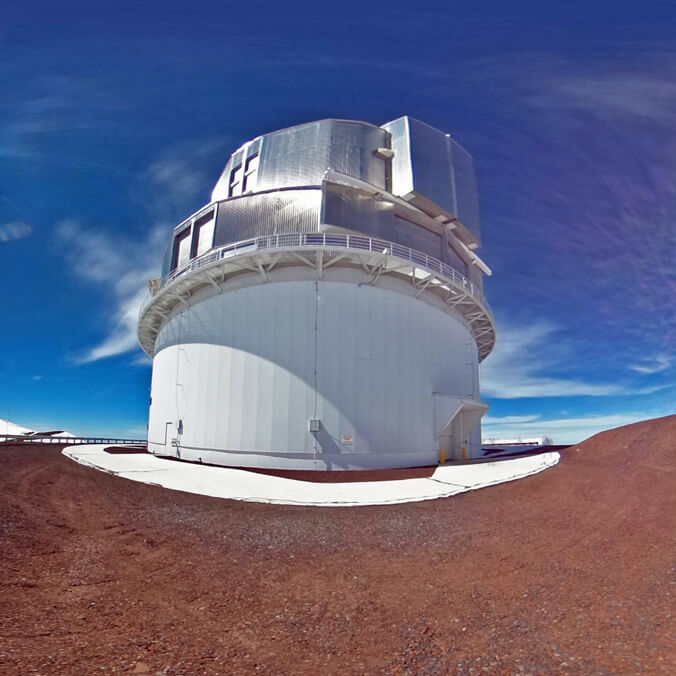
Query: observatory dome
325, 310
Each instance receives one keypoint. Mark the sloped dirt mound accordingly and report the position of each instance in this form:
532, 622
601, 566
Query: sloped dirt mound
652, 442
568, 571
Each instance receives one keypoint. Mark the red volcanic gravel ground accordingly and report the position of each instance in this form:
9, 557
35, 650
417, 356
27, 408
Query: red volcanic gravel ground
568, 571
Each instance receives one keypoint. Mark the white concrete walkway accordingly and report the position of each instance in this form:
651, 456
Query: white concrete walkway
237, 484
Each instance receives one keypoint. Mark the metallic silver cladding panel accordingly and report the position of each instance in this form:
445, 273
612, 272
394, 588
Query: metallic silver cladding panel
413, 236
353, 148
431, 165
465, 187
293, 157
432, 170
428, 168
239, 157
350, 209
402, 169
455, 260
279, 212
301, 155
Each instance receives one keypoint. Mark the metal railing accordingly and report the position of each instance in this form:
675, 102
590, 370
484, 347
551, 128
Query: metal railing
320, 241
23, 439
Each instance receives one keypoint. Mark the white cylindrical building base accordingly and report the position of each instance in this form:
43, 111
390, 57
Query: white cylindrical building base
239, 376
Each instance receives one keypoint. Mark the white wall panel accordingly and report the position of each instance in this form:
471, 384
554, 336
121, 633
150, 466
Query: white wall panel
238, 368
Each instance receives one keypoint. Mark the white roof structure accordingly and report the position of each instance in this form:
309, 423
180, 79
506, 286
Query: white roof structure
519, 441
9, 429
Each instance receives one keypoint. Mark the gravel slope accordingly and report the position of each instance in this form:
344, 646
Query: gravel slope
568, 571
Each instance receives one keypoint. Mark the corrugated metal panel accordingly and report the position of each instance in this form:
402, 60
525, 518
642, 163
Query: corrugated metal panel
352, 151
294, 157
454, 259
466, 194
402, 169
427, 164
346, 207
418, 238
238, 158
430, 168
286, 211
432, 175
300, 155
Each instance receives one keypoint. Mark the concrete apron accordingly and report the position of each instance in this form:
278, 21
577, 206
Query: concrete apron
239, 484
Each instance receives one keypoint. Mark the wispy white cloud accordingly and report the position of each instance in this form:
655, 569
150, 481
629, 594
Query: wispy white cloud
509, 419
528, 357
176, 174
660, 363
569, 430
122, 337
648, 95
521, 361
122, 265
54, 104
174, 183
185, 172
14, 230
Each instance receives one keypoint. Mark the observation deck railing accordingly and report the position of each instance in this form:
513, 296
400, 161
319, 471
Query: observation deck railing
67, 441
320, 241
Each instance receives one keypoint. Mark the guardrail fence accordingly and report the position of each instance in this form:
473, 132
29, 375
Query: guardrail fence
325, 240
23, 439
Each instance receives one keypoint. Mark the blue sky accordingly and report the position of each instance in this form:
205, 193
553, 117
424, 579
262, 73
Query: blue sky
117, 118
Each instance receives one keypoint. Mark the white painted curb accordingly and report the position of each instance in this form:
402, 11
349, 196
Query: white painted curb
238, 484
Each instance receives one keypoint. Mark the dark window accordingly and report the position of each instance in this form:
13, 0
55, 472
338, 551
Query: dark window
203, 234
181, 249
235, 181
250, 171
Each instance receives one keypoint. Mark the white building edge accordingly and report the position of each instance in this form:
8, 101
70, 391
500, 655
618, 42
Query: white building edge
325, 310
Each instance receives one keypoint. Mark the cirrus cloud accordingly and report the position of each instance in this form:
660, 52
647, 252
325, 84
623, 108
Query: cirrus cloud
14, 230
123, 266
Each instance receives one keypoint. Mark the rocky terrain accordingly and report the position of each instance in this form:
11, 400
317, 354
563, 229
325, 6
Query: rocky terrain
570, 571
